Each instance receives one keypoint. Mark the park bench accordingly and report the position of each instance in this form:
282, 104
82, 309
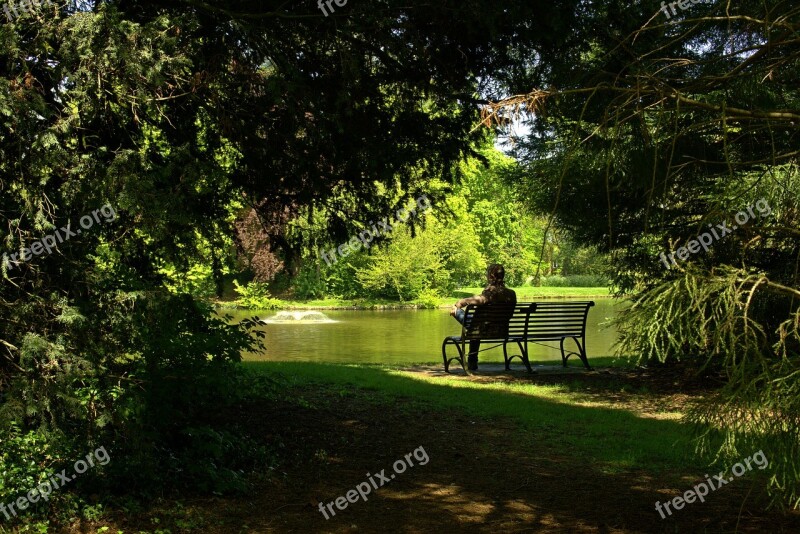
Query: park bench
521, 323
491, 323
555, 321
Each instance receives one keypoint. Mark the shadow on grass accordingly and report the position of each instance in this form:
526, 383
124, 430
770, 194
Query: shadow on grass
612, 436
499, 457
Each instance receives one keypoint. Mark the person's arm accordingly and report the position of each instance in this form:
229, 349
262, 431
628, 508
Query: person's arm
477, 299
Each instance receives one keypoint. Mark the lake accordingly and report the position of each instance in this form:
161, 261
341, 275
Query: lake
398, 336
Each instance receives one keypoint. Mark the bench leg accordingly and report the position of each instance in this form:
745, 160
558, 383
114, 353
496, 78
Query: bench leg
462, 356
524, 352
523, 349
583, 353
448, 361
580, 354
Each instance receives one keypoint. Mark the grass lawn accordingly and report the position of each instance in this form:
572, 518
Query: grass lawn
574, 452
607, 428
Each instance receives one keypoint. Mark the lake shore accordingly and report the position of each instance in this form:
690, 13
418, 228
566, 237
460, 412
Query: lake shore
524, 293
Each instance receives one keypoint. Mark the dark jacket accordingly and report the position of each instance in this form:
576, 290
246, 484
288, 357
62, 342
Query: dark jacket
492, 294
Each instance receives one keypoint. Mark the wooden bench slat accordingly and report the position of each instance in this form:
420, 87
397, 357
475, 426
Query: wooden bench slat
550, 322
570, 313
577, 304
548, 327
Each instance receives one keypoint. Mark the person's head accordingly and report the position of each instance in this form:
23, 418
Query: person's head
495, 274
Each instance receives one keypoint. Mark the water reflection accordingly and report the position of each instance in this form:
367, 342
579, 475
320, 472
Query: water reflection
298, 317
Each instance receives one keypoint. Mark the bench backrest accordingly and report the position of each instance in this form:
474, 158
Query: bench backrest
496, 321
556, 319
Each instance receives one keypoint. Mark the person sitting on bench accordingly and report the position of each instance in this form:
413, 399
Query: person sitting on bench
495, 292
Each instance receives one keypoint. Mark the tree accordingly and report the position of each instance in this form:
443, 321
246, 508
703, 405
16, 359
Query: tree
433, 260
647, 132
177, 117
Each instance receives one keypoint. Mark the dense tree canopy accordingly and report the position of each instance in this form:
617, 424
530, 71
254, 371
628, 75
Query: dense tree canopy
180, 117
192, 120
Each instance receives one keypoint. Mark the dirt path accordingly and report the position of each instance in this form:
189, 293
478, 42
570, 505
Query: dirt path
482, 476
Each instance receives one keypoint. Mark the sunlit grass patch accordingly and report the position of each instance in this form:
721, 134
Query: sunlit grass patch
549, 416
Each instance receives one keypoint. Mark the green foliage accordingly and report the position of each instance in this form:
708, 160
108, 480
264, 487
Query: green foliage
340, 278
705, 136
575, 260
309, 284
26, 457
407, 266
508, 233
480, 222
180, 117
183, 368
255, 296
457, 241
717, 320
428, 299
164, 113
179, 362
198, 281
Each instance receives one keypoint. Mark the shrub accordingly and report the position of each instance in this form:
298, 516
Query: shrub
554, 281
139, 375
255, 296
26, 457
428, 299
309, 284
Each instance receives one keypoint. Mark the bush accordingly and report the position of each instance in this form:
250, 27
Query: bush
428, 299
139, 375
26, 457
309, 284
745, 329
554, 281
184, 369
255, 296
198, 281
